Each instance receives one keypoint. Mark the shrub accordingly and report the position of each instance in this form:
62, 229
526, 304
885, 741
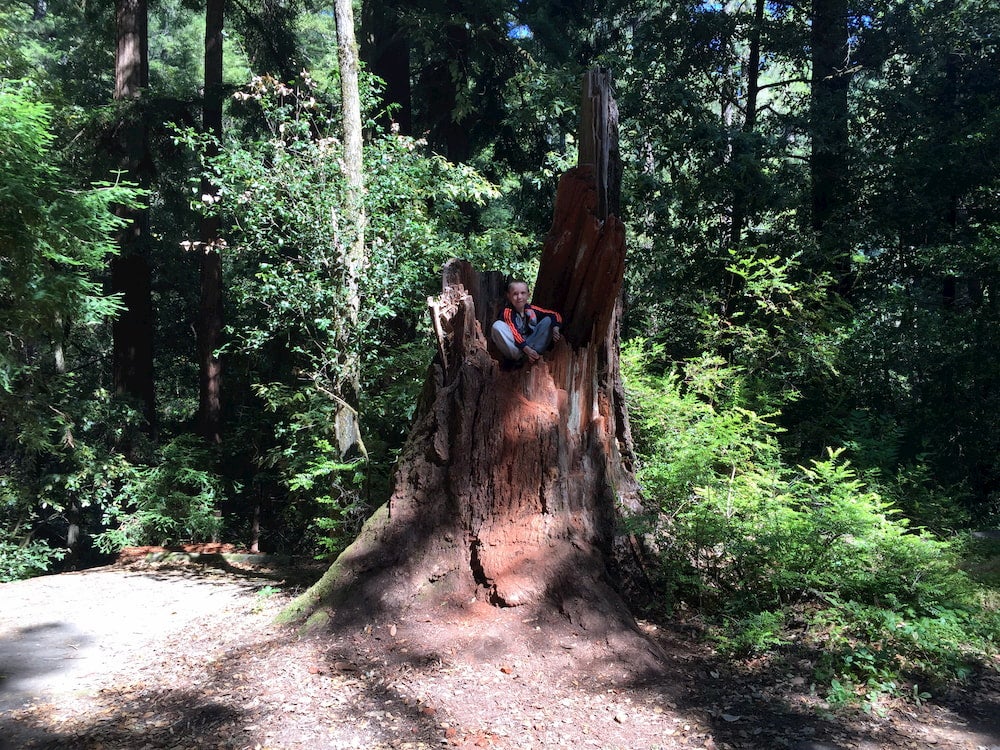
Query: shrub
750, 540
25, 559
171, 502
300, 354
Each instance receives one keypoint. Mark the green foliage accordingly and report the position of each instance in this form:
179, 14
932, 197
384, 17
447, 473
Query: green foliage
65, 52
12, 61
172, 502
755, 633
919, 382
52, 237
26, 559
323, 502
55, 241
868, 652
753, 541
296, 345
981, 560
177, 50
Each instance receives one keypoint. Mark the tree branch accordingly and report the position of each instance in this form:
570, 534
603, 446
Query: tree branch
782, 83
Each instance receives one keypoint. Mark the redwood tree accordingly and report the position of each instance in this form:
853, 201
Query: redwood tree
210, 308
130, 272
829, 120
508, 487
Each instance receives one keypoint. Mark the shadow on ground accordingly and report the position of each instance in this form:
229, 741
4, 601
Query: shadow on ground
29, 654
376, 688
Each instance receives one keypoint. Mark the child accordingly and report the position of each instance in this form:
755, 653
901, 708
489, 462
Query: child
524, 330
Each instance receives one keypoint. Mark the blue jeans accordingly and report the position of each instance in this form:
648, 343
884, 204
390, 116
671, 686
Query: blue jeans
539, 339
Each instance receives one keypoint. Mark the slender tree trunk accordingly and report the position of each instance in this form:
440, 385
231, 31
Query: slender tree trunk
829, 163
74, 534
130, 274
58, 344
348, 429
509, 485
210, 317
255, 528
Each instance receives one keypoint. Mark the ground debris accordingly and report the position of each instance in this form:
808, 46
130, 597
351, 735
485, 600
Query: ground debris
214, 673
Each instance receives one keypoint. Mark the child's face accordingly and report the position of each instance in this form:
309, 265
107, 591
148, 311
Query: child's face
517, 295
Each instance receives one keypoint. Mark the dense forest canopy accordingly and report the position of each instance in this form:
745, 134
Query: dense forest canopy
812, 197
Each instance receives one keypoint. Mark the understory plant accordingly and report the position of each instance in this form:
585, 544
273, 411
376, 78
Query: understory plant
56, 240
174, 501
26, 558
756, 544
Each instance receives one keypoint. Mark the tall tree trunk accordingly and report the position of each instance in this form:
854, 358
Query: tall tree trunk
130, 274
131, 48
210, 318
829, 120
950, 106
509, 484
745, 152
386, 52
745, 158
348, 429
132, 332
447, 127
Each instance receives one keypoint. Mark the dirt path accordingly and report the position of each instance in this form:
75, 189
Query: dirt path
187, 658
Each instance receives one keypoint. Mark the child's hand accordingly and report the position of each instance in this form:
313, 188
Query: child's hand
556, 335
531, 354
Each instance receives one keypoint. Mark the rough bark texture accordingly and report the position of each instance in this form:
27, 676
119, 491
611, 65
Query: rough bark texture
131, 58
132, 359
130, 273
210, 310
508, 487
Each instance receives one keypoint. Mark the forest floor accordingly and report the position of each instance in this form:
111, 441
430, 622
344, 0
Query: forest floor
184, 657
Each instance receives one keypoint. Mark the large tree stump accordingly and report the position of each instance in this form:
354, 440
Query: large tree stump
508, 488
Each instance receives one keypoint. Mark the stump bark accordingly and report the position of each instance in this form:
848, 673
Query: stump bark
510, 483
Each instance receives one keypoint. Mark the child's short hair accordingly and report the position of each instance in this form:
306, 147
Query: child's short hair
511, 283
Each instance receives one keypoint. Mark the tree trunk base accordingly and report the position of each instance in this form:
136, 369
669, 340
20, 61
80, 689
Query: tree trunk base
436, 605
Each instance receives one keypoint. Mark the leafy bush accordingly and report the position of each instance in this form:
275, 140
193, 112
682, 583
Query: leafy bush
873, 648
751, 540
171, 502
25, 559
296, 346
55, 243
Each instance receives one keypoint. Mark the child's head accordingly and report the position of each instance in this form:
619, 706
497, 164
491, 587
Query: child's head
517, 294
